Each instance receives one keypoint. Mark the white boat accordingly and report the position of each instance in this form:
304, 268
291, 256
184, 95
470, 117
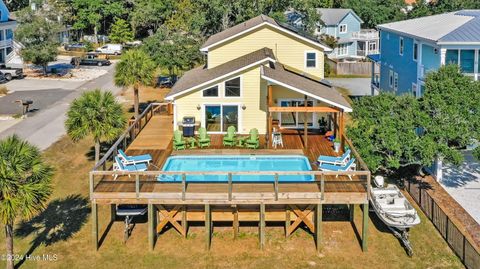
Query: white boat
394, 210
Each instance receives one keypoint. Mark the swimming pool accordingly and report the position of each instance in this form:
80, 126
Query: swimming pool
237, 163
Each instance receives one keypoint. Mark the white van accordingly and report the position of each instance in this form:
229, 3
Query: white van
114, 49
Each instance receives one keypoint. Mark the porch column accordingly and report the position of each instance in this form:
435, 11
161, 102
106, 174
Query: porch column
335, 124
305, 126
95, 225
269, 116
341, 130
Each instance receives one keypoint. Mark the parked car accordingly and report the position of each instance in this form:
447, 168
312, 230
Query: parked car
11, 73
89, 59
114, 49
2, 78
75, 46
165, 81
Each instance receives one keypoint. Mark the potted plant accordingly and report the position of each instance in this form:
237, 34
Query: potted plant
336, 144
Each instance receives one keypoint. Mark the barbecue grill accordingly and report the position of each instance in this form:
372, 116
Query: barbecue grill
188, 124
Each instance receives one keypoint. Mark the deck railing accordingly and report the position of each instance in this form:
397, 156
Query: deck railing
135, 126
142, 184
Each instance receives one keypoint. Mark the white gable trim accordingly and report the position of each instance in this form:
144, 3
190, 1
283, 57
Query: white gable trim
325, 48
196, 87
346, 109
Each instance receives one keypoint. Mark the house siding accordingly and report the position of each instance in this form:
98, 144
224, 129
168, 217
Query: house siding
253, 96
288, 50
392, 60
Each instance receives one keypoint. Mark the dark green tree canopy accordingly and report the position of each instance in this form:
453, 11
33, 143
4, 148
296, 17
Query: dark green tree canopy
121, 32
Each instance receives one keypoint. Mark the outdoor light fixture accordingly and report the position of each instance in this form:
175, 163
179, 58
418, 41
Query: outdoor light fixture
199, 107
244, 107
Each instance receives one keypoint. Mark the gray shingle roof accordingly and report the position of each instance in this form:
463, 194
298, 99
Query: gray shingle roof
198, 76
322, 91
244, 26
333, 16
459, 26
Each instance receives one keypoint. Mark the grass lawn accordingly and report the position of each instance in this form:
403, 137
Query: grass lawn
64, 230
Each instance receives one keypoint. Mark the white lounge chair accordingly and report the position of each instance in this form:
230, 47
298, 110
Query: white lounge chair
350, 166
119, 166
342, 160
128, 160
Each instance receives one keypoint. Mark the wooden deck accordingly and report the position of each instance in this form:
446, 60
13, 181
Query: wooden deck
155, 139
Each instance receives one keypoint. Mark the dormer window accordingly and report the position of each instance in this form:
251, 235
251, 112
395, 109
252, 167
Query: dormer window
342, 28
232, 88
211, 92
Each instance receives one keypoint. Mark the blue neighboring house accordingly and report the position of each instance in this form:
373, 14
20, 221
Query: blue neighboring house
354, 43
7, 27
410, 49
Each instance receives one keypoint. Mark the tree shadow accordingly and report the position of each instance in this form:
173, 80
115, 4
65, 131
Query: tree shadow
104, 147
58, 222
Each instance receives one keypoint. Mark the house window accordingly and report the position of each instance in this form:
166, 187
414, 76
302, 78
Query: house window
342, 28
211, 92
372, 46
390, 79
451, 57
400, 49
415, 51
395, 82
311, 59
219, 117
467, 61
232, 87
342, 49
414, 89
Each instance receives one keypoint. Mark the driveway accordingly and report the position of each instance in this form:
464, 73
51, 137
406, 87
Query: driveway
47, 126
463, 184
355, 86
42, 99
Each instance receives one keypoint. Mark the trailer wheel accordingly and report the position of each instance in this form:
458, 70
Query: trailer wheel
8, 76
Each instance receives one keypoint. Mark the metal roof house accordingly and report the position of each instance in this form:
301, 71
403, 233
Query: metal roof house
410, 49
344, 24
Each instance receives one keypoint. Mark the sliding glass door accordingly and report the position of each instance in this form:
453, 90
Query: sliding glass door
219, 117
295, 119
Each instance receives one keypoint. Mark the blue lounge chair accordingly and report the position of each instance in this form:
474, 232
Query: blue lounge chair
119, 166
128, 160
342, 160
350, 166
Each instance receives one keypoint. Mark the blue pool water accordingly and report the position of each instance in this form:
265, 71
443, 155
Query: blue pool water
236, 163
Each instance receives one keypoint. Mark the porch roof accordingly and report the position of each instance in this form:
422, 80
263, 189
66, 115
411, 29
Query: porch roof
277, 74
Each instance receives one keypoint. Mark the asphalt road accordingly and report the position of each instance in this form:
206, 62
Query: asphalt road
42, 99
47, 126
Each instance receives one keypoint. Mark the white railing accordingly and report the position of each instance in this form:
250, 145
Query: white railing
6, 43
365, 35
364, 53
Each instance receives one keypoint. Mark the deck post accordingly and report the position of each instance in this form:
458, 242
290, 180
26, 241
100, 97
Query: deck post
184, 220
137, 185
305, 124
262, 226
365, 227
113, 212
236, 222
287, 222
95, 224
335, 124
151, 226
269, 115
208, 226
352, 212
341, 130
184, 186
230, 187
318, 226
276, 186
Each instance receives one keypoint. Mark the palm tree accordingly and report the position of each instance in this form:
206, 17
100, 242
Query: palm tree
25, 185
134, 69
98, 114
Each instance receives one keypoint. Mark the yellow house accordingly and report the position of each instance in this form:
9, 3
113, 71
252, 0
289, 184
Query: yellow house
259, 73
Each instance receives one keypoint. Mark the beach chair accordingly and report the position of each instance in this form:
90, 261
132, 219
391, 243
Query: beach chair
203, 138
119, 166
178, 141
253, 141
230, 138
350, 166
127, 160
342, 160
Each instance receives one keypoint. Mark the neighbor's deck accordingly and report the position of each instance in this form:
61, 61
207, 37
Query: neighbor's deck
155, 139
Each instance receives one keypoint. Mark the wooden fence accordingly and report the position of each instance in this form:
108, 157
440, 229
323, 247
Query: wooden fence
358, 68
451, 230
